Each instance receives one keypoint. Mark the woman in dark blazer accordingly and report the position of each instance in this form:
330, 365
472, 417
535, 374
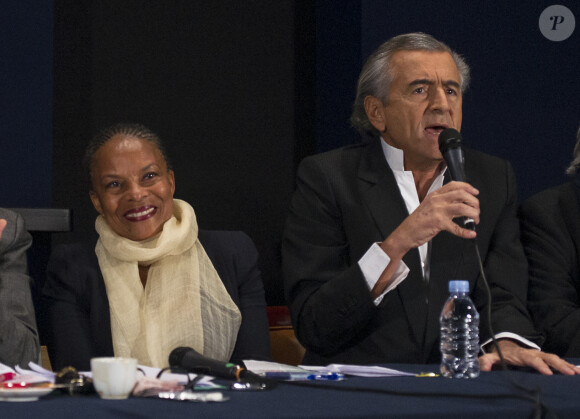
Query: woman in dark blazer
153, 282
550, 228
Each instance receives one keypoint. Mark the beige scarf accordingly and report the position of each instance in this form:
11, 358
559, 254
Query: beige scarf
184, 302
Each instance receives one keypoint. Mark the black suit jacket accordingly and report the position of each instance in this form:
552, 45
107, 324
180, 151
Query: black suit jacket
347, 199
77, 308
550, 224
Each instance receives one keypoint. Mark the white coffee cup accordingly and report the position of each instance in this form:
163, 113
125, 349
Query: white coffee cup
114, 378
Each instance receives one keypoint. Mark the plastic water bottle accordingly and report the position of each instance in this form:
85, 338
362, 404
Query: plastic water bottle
459, 333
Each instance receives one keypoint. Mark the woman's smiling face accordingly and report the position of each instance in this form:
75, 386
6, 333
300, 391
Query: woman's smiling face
132, 187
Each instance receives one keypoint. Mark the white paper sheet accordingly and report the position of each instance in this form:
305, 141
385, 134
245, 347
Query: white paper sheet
261, 367
358, 370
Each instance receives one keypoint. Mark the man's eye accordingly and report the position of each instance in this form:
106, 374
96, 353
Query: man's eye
451, 92
150, 175
419, 90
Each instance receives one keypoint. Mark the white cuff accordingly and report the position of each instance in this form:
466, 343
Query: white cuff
372, 265
510, 335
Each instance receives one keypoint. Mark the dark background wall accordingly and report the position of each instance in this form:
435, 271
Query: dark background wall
214, 79
25, 103
242, 91
524, 99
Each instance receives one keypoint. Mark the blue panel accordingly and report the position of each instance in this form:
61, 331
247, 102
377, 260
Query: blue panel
337, 66
524, 100
25, 103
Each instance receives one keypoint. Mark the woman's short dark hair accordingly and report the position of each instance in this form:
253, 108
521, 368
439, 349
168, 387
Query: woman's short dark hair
125, 128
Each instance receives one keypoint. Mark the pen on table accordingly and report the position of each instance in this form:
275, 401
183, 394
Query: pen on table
427, 374
331, 376
295, 376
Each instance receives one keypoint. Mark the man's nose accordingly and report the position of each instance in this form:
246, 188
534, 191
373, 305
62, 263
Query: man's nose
438, 100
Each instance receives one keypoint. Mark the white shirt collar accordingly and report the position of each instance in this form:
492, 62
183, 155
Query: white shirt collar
396, 158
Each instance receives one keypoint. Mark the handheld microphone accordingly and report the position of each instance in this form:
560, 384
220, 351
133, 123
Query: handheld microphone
192, 361
450, 147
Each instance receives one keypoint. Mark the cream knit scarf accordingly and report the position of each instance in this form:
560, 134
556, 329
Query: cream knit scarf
184, 302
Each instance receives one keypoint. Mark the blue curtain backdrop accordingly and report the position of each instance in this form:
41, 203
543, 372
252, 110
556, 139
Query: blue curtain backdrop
524, 100
25, 103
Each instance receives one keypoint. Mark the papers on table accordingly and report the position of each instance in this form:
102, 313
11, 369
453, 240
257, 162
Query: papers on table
5, 368
36, 374
262, 367
205, 382
358, 370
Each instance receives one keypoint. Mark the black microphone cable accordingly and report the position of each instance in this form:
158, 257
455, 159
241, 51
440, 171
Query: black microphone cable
450, 145
531, 394
269, 383
534, 395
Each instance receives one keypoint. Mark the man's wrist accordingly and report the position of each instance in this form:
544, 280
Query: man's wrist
392, 247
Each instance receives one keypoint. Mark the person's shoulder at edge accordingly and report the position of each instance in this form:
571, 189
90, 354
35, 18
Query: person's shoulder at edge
230, 251
71, 265
84, 251
345, 153
14, 230
80, 252
7, 214
548, 210
478, 157
549, 195
337, 154
217, 243
232, 237
339, 163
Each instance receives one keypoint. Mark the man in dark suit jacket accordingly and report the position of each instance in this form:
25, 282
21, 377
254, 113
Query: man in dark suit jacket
371, 241
77, 307
18, 335
551, 238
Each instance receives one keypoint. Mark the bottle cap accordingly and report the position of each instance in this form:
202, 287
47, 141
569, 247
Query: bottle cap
459, 286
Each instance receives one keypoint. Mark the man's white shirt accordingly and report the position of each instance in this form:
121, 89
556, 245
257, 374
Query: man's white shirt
375, 260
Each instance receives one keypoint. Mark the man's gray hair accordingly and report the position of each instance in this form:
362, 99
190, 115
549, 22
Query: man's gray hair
376, 76
575, 165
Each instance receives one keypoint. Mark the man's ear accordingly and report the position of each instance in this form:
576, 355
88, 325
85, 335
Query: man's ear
96, 202
375, 111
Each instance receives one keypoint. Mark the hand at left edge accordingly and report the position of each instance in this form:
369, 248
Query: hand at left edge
519, 356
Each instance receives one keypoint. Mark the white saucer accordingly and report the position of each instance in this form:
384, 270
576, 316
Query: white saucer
23, 394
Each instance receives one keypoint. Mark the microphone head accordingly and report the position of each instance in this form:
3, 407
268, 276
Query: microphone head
176, 355
448, 139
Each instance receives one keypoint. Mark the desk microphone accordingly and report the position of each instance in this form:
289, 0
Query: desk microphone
450, 147
191, 361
